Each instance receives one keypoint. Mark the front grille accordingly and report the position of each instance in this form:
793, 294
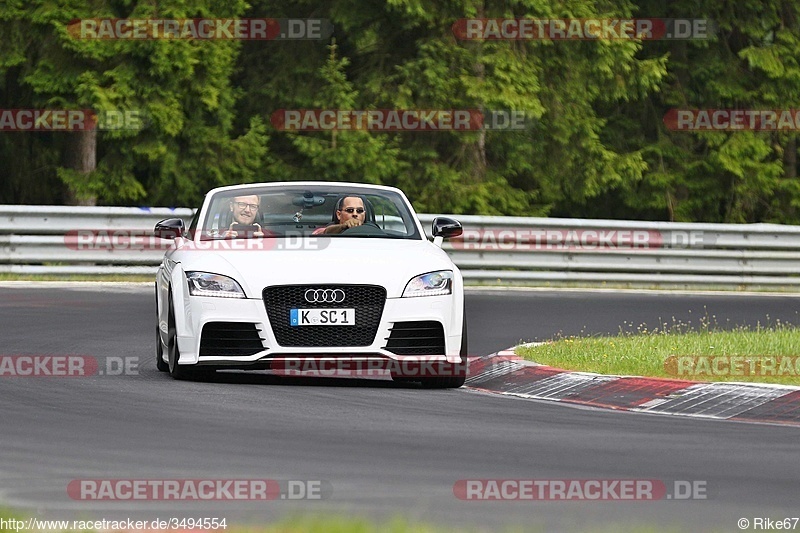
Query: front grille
416, 338
367, 300
230, 339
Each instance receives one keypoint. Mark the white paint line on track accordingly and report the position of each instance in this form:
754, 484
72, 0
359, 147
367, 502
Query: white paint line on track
683, 292
120, 286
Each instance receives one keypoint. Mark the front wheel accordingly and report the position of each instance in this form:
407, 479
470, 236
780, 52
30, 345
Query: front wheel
161, 365
449, 382
456, 381
180, 372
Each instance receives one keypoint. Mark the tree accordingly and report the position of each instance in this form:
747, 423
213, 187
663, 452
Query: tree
180, 87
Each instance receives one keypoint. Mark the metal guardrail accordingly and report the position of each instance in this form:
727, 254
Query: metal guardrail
33, 239
505, 250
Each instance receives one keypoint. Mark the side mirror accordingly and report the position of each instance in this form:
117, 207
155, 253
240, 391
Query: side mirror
170, 228
446, 227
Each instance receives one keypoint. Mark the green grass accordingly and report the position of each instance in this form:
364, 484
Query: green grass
306, 523
680, 351
319, 524
341, 524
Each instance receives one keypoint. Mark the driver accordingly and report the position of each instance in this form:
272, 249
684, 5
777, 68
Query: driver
350, 212
245, 210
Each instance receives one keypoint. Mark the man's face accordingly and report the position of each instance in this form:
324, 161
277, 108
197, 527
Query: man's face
352, 207
245, 208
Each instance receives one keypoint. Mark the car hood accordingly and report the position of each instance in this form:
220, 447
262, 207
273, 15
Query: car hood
390, 263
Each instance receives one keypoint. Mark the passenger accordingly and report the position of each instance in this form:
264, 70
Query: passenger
245, 210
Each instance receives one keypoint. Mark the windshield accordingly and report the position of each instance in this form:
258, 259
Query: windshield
273, 212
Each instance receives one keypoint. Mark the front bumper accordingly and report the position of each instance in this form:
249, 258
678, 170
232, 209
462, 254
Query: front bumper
200, 310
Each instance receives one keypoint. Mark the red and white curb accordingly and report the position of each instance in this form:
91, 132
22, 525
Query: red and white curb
506, 373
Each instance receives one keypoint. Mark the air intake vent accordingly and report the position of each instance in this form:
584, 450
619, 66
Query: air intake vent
416, 338
230, 339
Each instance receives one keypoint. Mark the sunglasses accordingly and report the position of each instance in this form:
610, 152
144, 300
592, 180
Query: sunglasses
358, 210
242, 205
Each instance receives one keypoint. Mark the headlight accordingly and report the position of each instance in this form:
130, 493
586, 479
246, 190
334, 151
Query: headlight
430, 284
206, 284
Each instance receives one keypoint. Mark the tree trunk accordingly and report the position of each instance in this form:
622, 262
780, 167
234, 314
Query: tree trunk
790, 158
479, 150
80, 154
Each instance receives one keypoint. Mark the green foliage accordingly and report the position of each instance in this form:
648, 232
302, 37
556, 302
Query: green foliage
596, 144
181, 88
738, 176
358, 156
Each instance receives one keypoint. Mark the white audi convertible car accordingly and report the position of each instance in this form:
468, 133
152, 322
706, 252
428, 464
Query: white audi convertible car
310, 275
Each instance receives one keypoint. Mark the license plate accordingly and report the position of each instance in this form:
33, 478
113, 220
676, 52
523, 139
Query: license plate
322, 317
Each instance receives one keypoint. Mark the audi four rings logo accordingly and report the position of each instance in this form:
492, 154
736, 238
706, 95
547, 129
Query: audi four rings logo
328, 296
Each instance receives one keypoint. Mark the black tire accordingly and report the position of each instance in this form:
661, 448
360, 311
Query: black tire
180, 372
450, 382
399, 379
453, 382
161, 365
464, 340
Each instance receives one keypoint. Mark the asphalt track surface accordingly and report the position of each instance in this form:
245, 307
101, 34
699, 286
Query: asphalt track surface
383, 450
